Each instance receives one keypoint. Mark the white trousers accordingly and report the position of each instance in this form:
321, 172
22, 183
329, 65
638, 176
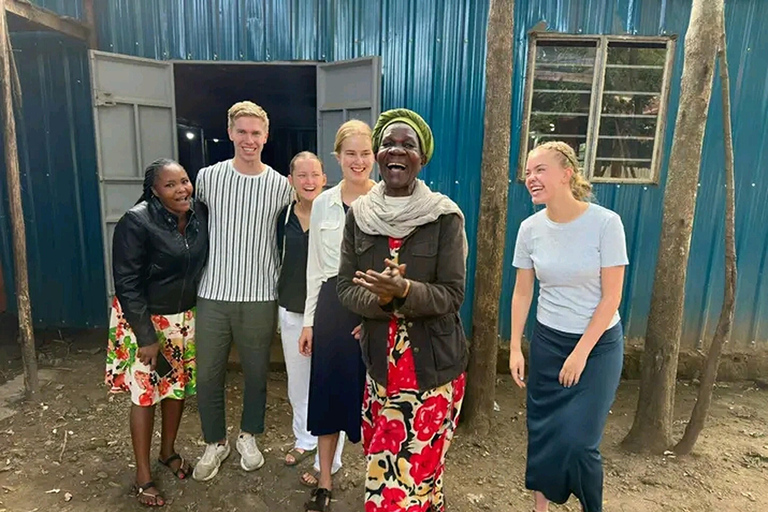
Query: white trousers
298, 368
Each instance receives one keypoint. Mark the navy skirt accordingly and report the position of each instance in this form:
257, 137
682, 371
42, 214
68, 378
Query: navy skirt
565, 425
337, 377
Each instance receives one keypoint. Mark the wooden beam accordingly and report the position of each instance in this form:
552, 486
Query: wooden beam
90, 19
48, 20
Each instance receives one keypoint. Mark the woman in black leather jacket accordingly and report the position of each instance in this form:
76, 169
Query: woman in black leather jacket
159, 251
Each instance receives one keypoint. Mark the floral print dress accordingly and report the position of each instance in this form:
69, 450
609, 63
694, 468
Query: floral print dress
125, 372
406, 433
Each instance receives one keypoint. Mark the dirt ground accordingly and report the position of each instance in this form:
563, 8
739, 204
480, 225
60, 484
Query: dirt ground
71, 451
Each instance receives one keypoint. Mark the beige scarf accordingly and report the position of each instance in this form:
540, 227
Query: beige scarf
375, 216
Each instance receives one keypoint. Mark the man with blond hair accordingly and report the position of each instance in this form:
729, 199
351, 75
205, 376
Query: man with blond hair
237, 293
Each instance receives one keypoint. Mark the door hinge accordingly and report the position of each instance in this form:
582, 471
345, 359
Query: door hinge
104, 99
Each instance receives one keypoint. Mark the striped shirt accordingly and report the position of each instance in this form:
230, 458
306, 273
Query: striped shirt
242, 224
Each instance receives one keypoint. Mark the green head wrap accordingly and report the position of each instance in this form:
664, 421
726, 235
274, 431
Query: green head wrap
412, 119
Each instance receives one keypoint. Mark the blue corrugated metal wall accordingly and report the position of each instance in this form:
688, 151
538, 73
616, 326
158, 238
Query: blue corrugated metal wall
433, 57
59, 185
641, 206
433, 54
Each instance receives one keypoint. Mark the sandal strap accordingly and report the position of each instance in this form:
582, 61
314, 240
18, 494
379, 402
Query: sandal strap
141, 489
321, 493
170, 459
321, 500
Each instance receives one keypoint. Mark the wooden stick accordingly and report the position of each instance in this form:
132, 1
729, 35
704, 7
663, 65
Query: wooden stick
31, 380
63, 445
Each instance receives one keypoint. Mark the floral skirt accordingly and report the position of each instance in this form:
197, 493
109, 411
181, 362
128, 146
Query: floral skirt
126, 373
405, 437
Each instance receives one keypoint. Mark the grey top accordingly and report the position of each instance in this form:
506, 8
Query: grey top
568, 258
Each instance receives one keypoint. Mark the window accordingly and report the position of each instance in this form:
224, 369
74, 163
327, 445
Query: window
606, 96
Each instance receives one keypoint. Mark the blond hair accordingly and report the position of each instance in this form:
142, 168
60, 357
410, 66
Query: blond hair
350, 129
305, 155
246, 109
581, 188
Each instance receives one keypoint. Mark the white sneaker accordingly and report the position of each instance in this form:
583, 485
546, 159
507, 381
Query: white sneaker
251, 458
208, 466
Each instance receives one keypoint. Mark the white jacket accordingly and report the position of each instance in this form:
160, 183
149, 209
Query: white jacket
326, 231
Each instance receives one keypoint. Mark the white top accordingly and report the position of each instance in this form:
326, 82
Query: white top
242, 223
568, 258
326, 232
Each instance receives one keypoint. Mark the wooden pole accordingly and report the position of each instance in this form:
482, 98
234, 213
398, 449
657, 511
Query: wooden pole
652, 427
31, 381
725, 323
481, 376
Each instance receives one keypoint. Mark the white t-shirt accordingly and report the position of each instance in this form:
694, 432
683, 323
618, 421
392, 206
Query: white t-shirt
568, 258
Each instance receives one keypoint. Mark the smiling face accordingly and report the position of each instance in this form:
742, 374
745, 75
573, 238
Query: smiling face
248, 135
546, 178
400, 159
356, 159
173, 188
307, 179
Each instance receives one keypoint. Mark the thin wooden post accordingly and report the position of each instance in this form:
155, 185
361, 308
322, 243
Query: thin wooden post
31, 381
494, 185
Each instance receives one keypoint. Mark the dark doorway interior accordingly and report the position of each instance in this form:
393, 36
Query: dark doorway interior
204, 93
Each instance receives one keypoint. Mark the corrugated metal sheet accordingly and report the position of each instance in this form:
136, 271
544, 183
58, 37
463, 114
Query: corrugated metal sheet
641, 206
433, 56
71, 8
59, 185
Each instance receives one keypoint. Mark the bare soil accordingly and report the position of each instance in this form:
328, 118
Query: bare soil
71, 451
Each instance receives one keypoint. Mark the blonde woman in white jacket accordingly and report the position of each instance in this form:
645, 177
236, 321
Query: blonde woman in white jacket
337, 375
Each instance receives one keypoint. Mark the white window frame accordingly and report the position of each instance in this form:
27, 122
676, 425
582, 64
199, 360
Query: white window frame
595, 109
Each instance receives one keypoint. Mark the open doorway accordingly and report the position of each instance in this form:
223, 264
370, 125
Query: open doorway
205, 91
138, 104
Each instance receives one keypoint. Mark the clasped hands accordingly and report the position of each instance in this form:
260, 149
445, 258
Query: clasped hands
387, 285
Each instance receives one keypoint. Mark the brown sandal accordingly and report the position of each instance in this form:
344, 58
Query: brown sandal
298, 456
156, 498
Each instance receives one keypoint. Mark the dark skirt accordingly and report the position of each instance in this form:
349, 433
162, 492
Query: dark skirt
337, 377
565, 425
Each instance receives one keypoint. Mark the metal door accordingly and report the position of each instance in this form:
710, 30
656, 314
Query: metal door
349, 89
135, 122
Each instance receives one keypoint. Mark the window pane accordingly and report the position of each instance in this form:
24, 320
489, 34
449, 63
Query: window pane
627, 171
562, 93
654, 54
634, 104
632, 79
639, 127
630, 108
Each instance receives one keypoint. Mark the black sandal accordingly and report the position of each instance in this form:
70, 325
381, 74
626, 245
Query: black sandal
320, 502
141, 492
183, 472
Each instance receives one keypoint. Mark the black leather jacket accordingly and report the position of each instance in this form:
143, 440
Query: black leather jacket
156, 269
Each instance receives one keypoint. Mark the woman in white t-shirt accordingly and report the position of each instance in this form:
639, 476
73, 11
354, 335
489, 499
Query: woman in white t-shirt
577, 251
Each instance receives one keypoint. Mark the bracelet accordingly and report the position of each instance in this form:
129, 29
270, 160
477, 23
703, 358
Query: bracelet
407, 288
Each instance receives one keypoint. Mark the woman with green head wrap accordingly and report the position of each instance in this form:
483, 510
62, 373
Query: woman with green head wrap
403, 266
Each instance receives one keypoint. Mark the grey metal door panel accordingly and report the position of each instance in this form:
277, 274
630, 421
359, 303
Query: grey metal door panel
349, 89
135, 121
